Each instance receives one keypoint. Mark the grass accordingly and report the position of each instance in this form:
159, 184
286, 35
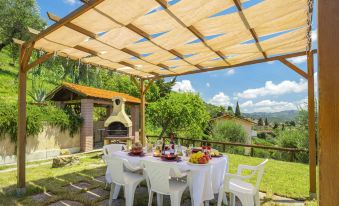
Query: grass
287, 179
281, 178
9, 79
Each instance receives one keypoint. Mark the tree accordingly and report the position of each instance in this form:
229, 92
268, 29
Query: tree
275, 125
228, 130
260, 122
15, 17
165, 87
230, 110
237, 110
266, 122
179, 112
215, 111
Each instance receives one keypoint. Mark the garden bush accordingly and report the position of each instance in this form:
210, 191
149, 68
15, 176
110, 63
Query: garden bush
36, 117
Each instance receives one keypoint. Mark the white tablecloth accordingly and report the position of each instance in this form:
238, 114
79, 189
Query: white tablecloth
204, 180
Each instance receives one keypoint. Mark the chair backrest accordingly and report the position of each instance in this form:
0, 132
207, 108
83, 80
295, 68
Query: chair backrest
159, 174
256, 170
110, 148
260, 169
116, 168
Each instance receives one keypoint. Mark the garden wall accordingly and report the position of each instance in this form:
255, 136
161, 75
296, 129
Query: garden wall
45, 145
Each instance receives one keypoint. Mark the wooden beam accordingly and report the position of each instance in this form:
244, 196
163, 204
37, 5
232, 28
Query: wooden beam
72, 26
311, 126
84, 49
257, 61
84, 8
21, 139
140, 32
142, 136
94, 36
294, 67
39, 61
328, 74
253, 33
192, 29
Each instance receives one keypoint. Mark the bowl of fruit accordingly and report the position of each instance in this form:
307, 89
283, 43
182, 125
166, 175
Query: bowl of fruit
198, 158
136, 150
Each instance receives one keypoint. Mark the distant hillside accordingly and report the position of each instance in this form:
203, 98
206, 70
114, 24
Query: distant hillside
282, 116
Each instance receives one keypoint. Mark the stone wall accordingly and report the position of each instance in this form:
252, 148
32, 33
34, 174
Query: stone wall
45, 145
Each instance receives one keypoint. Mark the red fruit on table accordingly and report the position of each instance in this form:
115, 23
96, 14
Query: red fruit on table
202, 160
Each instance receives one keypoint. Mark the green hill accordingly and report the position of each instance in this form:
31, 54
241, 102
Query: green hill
9, 79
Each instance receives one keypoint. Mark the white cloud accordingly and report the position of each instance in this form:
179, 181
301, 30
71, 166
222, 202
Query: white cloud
270, 88
183, 86
208, 84
230, 72
70, 2
314, 35
267, 106
220, 99
298, 60
270, 62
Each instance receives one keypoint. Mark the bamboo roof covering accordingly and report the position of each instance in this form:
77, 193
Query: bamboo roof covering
160, 38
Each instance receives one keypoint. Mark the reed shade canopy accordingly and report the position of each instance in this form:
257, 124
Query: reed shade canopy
158, 38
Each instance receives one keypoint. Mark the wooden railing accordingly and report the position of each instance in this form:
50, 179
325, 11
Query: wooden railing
188, 141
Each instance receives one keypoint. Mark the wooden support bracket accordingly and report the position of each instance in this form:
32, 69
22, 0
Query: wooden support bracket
294, 68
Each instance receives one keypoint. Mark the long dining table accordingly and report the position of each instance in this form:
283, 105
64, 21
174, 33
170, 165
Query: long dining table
203, 180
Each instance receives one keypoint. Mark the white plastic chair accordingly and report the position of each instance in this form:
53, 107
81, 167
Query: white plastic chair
128, 180
158, 174
246, 192
110, 148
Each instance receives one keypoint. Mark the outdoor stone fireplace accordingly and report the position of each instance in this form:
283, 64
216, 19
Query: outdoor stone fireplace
118, 126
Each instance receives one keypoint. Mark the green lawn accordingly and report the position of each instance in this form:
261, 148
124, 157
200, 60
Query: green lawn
281, 178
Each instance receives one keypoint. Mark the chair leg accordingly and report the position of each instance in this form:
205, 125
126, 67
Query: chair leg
257, 199
175, 199
160, 199
111, 195
116, 191
150, 198
129, 193
220, 196
224, 199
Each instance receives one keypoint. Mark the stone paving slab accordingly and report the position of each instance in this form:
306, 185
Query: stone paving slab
95, 194
78, 186
100, 179
42, 197
66, 203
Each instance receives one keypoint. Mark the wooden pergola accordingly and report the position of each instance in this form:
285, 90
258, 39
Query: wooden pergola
154, 39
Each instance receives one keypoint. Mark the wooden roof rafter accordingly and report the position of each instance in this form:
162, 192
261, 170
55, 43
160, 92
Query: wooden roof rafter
147, 36
248, 26
95, 36
193, 30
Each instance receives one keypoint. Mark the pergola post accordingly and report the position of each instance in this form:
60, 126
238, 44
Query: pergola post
311, 126
86, 130
142, 136
328, 41
21, 139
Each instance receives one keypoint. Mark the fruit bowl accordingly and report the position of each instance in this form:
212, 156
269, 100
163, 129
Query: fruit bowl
168, 157
199, 158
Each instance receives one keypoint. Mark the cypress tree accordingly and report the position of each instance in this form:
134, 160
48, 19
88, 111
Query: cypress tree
237, 110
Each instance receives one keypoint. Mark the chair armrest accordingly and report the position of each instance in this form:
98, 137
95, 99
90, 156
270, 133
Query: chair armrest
131, 167
236, 176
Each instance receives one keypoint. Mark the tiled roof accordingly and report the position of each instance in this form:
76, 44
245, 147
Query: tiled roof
234, 117
98, 93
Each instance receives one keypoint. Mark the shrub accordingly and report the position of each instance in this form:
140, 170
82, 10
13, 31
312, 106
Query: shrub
228, 131
35, 118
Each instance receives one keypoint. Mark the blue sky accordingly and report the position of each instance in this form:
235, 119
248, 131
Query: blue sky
267, 87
